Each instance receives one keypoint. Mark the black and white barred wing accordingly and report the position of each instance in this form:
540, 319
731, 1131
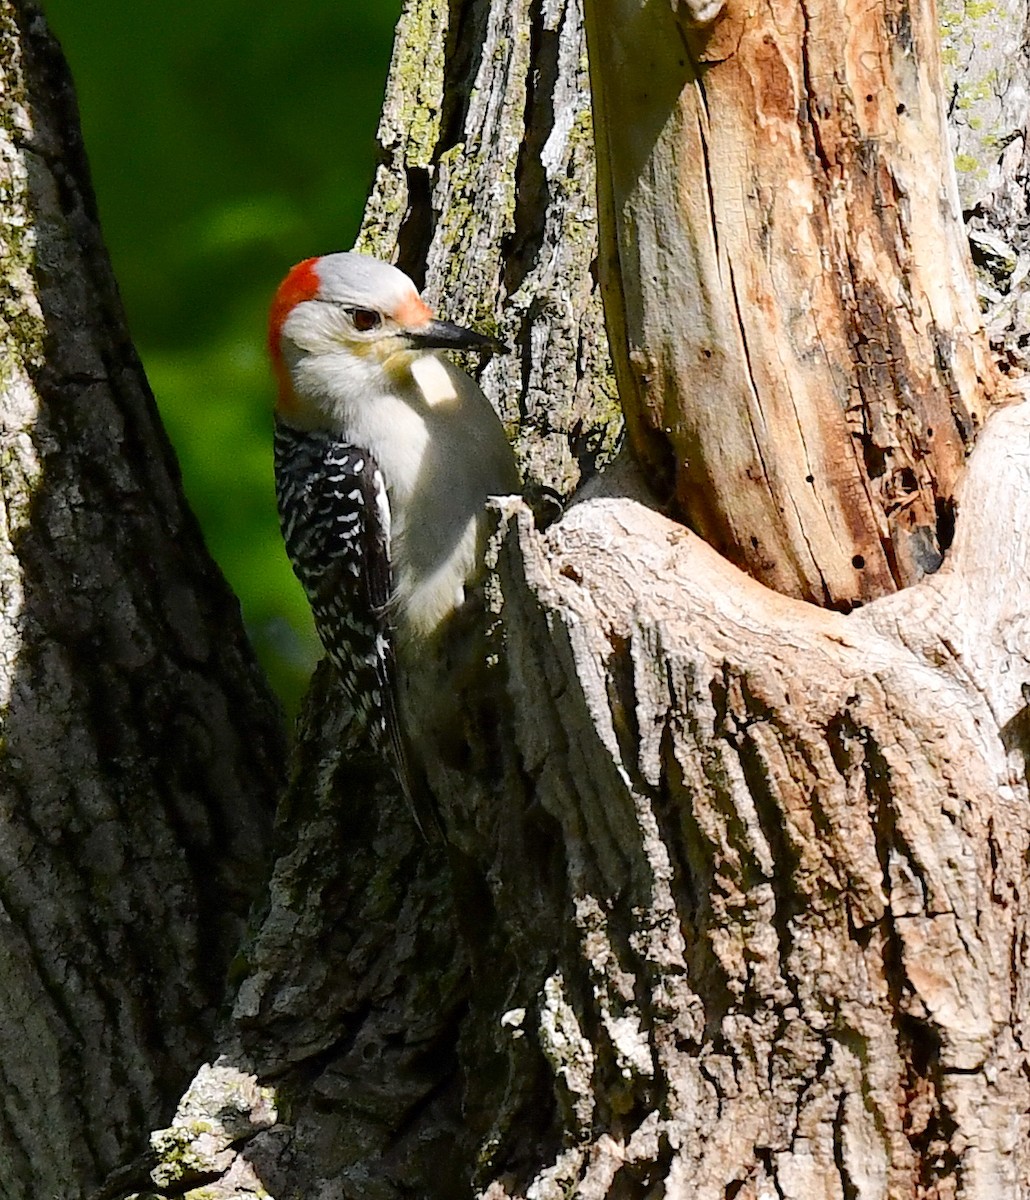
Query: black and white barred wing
335, 518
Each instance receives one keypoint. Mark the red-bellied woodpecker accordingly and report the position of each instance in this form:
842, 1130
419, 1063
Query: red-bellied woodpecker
385, 454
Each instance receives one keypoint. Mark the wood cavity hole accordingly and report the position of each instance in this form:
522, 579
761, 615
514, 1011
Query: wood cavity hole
858, 562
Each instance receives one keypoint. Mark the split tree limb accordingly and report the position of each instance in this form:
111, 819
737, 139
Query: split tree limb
787, 283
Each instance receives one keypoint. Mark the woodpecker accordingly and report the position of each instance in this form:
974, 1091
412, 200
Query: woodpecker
385, 454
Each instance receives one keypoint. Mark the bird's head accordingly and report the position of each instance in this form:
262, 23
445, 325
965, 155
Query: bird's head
345, 322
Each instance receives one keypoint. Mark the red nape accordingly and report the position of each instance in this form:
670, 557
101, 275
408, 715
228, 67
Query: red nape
302, 283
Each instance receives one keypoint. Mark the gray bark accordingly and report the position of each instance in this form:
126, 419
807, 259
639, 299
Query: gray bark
487, 193
730, 901
987, 77
140, 751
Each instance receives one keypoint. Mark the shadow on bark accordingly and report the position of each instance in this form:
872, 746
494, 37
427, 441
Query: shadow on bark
141, 749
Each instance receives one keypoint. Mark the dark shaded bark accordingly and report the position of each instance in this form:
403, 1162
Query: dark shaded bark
141, 750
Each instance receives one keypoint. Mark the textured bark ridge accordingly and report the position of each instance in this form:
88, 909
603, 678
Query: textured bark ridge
731, 904
488, 184
794, 852
339, 1073
987, 77
782, 241
139, 748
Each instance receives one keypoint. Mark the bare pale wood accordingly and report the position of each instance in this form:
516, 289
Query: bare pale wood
787, 283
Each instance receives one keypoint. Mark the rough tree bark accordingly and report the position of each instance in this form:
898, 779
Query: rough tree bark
140, 751
732, 901
987, 89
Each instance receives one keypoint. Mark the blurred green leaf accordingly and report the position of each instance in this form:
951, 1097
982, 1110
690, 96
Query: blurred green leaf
226, 143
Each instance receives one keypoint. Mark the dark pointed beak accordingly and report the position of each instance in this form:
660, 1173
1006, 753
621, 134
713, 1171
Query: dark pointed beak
442, 335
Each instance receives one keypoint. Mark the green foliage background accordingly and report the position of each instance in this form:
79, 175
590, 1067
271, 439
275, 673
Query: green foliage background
227, 141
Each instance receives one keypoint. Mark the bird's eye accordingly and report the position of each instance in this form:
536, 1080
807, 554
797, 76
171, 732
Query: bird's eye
365, 319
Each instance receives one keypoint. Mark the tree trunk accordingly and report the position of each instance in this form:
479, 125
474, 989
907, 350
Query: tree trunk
487, 195
731, 901
140, 749
782, 243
